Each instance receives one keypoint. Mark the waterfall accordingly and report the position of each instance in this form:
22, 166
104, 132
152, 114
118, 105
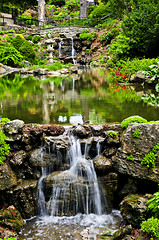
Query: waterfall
60, 44
75, 190
73, 52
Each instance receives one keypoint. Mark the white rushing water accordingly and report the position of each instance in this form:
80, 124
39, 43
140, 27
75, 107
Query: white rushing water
60, 44
73, 52
76, 206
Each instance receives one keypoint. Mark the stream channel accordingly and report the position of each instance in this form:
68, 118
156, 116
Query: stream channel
64, 100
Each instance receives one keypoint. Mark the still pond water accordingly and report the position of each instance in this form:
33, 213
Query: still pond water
70, 100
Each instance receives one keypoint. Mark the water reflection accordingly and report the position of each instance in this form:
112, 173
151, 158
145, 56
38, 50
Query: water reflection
66, 100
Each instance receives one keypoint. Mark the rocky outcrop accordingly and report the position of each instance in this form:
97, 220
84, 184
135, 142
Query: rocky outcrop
134, 148
134, 209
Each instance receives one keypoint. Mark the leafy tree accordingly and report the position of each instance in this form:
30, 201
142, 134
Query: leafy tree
141, 26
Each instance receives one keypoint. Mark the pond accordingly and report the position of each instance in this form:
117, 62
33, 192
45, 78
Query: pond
63, 100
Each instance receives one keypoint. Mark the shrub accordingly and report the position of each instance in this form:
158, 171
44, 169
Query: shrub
9, 238
106, 38
99, 11
132, 119
9, 55
17, 42
88, 36
151, 226
29, 37
36, 39
11, 31
27, 51
22, 31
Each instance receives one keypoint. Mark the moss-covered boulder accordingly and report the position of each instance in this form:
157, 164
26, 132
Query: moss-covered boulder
134, 209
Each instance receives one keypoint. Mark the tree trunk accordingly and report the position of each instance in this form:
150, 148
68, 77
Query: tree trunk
83, 9
41, 11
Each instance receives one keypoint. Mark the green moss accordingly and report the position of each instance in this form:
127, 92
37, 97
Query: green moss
151, 226
112, 134
136, 133
130, 158
132, 119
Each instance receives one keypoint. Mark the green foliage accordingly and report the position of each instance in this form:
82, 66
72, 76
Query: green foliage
4, 148
153, 204
29, 37
141, 30
150, 158
106, 38
57, 2
73, 6
27, 51
99, 11
151, 226
22, 31
153, 74
9, 238
130, 158
132, 119
9, 55
36, 39
136, 133
2, 32
151, 99
52, 67
17, 42
90, 36
112, 134
11, 31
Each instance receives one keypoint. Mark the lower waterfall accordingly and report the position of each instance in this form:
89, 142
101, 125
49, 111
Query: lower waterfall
75, 206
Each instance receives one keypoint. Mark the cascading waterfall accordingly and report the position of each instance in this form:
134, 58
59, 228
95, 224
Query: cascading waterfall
60, 44
73, 52
79, 190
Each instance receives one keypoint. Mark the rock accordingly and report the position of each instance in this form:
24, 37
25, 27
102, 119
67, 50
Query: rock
82, 131
59, 143
112, 137
134, 209
13, 127
7, 177
102, 164
97, 130
137, 147
122, 232
5, 232
11, 218
138, 78
41, 159
109, 183
24, 198
18, 158
64, 71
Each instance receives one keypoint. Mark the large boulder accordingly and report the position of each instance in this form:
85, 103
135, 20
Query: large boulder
8, 178
13, 127
138, 140
134, 209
